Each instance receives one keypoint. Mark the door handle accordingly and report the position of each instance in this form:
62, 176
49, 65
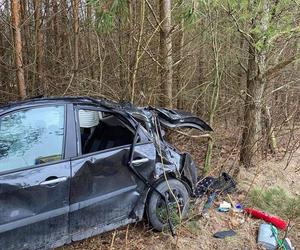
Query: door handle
53, 181
139, 162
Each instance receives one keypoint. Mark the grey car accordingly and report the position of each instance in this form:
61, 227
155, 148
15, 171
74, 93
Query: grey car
74, 167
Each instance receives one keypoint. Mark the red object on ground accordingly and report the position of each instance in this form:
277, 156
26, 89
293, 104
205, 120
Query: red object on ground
277, 222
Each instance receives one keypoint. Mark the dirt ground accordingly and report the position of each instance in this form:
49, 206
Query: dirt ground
196, 233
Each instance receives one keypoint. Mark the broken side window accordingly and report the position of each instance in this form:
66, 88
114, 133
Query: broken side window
102, 130
31, 136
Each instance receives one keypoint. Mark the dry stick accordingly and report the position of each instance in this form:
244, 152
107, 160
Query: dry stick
70, 82
193, 136
126, 237
113, 240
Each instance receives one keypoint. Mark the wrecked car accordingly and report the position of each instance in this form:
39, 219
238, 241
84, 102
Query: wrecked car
74, 167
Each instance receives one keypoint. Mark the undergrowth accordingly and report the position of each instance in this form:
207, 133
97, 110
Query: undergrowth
275, 201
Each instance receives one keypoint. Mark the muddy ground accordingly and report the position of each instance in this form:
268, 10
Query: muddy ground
280, 170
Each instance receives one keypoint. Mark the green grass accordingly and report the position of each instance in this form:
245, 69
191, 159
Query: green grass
173, 213
193, 226
276, 201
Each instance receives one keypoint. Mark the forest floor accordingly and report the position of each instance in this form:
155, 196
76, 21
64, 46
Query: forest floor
282, 171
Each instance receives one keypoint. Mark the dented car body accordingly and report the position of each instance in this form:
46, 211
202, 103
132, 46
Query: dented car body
71, 168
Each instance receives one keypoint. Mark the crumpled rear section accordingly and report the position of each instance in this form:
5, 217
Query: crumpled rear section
188, 171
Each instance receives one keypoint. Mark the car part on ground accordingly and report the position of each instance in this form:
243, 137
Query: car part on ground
224, 234
222, 185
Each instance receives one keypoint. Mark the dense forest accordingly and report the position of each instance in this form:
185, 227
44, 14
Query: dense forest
229, 61
235, 63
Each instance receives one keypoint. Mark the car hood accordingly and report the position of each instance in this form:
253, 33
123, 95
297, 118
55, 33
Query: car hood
173, 118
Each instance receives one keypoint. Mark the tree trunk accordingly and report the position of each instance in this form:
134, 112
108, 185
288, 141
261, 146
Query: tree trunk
252, 113
38, 79
26, 42
179, 72
215, 88
166, 53
256, 81
137, 52
75, 6
56, 28
89, 37
4, 76
15, 20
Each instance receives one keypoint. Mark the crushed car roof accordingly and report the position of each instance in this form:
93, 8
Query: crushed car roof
171, 118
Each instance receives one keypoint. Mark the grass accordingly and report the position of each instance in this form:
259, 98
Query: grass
275, 201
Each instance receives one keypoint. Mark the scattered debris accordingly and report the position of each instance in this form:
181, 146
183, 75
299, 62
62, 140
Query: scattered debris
266, 237
224, 184
276, 221
208, 203
237, 208
224, 206
288, 244
204, 186
224, 234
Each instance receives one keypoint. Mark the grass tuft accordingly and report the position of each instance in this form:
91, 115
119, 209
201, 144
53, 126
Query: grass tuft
276, 201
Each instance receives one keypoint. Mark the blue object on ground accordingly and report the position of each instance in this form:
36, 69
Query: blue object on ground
209, 202
238, 206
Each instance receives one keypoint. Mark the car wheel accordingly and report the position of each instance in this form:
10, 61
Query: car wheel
178, 205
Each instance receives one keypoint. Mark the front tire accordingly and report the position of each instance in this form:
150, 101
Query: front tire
178, 207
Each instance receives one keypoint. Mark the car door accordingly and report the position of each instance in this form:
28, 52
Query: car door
34, 178
104, 192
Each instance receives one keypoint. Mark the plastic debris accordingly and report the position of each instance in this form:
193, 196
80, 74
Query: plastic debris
288, 244
237, 208
266, 237
208, 203
224, 206
276, 221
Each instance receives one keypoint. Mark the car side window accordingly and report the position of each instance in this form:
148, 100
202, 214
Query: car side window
100, 131
31, 137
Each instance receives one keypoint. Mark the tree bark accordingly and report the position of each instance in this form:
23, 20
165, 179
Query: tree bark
137, 52
252, 114
38, 80
89, 36
75, 5
15, 20
256, 82
215, 88
166, 53
179, 72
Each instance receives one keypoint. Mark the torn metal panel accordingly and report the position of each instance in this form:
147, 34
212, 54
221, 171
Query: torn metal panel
103, 190
173, 118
